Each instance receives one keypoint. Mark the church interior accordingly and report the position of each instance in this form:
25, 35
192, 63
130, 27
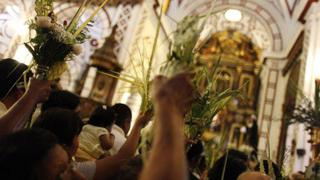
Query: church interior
263, 55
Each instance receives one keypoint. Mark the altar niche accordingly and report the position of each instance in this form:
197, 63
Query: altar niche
238, 64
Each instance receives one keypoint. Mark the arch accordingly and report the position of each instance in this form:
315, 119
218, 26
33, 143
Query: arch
255, 9
225, 79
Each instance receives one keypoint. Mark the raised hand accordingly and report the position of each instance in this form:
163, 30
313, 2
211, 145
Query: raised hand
144, 118
178, 90
39, 90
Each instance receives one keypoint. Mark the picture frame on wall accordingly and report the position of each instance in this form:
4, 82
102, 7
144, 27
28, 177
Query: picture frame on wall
101, 89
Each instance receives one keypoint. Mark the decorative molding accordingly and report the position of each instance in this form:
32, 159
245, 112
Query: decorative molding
294, 53
267, 117
134, 49
254, 9
291, 9
305, 11
277, 5
122, 24
13, 15
110, 3
249, 25
243, 80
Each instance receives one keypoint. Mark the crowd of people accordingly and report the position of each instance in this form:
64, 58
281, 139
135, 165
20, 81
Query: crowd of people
43, 137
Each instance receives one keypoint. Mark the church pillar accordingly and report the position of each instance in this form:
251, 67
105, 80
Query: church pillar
270, 107
312, 69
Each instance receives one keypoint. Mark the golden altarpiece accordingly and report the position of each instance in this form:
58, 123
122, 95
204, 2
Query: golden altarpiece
238, 64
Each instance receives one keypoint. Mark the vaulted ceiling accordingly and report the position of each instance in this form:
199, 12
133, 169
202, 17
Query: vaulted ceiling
273, 17
110, 3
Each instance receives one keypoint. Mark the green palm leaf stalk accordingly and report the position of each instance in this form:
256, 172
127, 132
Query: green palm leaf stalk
182, 57
140, 79
206, 106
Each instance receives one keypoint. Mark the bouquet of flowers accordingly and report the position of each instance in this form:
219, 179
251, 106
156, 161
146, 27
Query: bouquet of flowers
54, 43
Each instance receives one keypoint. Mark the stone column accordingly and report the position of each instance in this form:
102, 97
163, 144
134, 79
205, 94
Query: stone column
309, 72
271, 98
312, 70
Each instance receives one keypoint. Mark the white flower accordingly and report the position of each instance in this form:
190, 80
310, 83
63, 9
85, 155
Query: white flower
57, 28
43, 21
77, 49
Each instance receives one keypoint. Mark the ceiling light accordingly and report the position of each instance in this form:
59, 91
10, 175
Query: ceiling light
233, 15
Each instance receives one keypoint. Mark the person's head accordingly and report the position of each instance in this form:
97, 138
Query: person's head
87, 106
276, 169
253, 175
12, 78
102, 116
123, 116
32, 154
238, 154
253, 160
194, 154
63, 123
62, 99
234, 167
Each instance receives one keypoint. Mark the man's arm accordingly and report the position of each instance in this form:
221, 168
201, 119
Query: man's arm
106, 141
108, 166
167, 157
17, 116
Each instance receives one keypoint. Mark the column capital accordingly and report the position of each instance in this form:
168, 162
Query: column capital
275, 62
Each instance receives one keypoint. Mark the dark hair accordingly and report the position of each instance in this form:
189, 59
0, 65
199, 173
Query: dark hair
61, 99
234, 167
196, 161
21, 153
102, 116
122, 112
275, 167
11, 72
195, 151
64, 123
238, 154
254, 137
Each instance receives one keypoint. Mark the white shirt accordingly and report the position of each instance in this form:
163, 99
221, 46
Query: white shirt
89, 140
119, 139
